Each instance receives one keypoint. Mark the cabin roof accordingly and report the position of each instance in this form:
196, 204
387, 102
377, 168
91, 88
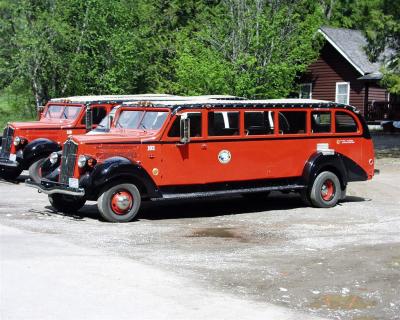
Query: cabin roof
351, 45
248, 104
113, 98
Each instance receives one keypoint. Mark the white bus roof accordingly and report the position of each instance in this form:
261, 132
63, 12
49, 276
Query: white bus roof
83, 99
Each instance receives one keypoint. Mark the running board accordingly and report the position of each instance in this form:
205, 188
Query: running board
230, 192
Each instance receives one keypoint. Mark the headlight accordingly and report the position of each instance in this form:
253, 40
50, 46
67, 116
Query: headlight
82, 161
17, 141
53, 158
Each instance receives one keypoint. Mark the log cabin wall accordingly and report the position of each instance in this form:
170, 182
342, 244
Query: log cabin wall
330, 68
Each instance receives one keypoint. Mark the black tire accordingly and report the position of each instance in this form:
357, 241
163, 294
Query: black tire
125, 194
256, 195
326, 190
35, 170
10, 173
65, 203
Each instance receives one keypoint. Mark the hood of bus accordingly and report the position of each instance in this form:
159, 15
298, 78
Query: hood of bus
42, 124
116, 136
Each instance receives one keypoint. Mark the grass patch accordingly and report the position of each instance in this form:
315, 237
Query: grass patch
14, 107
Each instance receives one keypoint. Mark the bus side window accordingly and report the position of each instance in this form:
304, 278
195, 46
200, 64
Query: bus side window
223, 123
258, 122
345, 123
292, 122
320, 122
195, 125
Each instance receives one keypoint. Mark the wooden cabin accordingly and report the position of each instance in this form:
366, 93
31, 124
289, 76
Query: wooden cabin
343, 73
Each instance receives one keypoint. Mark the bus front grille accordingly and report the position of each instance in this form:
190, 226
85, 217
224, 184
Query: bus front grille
68, 160
6, 142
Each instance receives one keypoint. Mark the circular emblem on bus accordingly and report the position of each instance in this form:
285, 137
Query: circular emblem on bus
224, 156
155, 171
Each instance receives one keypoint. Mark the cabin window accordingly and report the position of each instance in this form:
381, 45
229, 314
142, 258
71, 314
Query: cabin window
345, 122
343, 92
223, 123
320, 122
195, 125
258, 122
98, 114
305, 91
292, 122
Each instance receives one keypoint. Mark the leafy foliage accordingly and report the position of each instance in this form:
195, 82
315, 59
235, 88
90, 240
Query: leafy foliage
258, 48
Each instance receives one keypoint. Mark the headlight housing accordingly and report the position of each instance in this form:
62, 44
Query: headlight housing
82, 160
17, 141
53, 157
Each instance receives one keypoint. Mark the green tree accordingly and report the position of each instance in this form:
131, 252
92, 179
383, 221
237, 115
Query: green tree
248, 48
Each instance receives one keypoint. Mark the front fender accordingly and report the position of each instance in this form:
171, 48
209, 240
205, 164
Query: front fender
39, 148
318, 162
118, 168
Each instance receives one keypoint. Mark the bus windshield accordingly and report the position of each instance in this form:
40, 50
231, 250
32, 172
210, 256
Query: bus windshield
146, 120
62, 112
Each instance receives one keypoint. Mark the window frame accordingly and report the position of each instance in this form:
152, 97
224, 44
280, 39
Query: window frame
332, 129
310, 85
307, 123
360, 130
337, 91
231, 137
172, 120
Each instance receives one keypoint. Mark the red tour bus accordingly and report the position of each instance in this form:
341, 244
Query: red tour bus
25, 144
187, 149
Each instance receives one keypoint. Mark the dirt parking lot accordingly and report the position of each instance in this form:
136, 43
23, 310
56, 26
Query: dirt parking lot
338, 263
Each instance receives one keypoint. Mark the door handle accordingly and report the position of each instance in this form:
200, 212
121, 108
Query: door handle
204, 146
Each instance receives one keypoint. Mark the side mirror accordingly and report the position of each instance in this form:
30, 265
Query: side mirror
185, 129
89, 119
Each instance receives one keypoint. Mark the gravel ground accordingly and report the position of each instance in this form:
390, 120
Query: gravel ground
340, 263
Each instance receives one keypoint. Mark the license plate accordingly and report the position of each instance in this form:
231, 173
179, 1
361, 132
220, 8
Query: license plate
73, 183
13, 157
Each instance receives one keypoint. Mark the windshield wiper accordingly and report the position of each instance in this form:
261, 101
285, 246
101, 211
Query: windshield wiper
142, 126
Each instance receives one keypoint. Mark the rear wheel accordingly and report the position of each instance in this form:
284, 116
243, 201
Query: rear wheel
65, 203
119, 203
35, 170
326, 190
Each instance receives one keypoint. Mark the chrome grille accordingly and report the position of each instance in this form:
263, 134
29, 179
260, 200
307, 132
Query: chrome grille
6, 142
68, 159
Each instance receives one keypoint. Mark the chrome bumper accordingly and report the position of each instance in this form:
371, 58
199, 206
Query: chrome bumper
50, 187
8, 163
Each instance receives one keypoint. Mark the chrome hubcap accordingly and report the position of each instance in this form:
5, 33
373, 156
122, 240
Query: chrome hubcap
123, 202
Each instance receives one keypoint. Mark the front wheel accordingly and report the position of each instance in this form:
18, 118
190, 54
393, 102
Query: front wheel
119, 203
326, 190
65, 203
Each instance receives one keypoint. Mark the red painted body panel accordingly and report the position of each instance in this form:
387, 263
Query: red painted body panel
252, 157
56, 130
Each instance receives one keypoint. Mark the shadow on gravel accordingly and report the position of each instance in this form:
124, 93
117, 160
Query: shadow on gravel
199, 208
20, 179
87, 212
355, 199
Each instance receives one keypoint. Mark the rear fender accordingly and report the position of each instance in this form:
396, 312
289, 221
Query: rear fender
319, 162
118, 169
